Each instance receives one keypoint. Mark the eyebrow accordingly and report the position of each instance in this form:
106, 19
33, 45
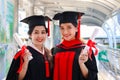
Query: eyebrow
41, 30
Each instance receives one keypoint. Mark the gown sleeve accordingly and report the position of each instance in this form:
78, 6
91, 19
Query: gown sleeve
12, 73
92, 69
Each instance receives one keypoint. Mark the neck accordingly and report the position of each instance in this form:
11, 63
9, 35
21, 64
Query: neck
39, 47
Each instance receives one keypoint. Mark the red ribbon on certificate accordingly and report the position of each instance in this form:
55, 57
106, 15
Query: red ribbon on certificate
91, 44
20, 54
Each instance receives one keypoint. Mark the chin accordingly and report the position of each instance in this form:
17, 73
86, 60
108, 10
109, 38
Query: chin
67, 39
39, 43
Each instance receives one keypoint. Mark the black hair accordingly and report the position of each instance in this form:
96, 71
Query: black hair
32, 28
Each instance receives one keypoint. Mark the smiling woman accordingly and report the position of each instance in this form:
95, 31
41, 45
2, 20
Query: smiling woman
70, 63
39, 67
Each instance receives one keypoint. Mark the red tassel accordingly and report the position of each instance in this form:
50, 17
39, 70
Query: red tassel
78, 34
48, 27
47, 69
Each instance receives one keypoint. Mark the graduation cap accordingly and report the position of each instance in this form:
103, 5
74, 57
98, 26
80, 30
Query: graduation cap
36, 20
69, 17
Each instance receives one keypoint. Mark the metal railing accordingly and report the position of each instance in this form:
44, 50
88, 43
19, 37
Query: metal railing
110, 62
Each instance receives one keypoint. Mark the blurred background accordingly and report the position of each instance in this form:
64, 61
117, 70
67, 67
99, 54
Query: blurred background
101, 14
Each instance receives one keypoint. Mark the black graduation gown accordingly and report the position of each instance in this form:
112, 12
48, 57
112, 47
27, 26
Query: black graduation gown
36, 67
66, 66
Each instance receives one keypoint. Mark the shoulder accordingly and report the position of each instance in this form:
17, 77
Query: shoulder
54, 50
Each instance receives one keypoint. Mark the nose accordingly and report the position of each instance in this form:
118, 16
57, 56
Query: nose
65, 31
39, 35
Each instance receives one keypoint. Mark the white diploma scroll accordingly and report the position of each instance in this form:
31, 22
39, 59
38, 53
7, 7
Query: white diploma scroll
20, 42
85, 50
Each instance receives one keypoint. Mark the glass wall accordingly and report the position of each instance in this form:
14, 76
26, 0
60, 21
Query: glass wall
6, 33
112, 28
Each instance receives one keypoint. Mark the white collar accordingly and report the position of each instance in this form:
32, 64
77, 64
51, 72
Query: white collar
33, 46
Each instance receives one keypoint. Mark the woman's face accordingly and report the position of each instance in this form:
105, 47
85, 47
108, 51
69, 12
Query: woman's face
38, 35
68, 31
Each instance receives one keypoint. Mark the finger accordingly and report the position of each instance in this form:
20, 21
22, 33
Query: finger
26, 51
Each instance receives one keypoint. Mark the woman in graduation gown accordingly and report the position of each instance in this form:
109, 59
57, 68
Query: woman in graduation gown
69, 61
38, 68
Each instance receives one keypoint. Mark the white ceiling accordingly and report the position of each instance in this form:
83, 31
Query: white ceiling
96, 11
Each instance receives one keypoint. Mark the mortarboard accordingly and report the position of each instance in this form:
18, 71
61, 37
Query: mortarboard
69, 17
36, 20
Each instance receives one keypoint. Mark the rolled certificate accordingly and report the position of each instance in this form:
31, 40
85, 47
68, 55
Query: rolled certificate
92, 38
20, 42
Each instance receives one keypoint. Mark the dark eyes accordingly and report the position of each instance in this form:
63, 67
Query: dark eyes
68, 27
42, 32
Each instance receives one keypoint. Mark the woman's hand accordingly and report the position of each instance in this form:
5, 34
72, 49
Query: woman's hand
26, 55
83, 57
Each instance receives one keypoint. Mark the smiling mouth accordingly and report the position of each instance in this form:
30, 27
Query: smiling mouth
66, 35
39, 40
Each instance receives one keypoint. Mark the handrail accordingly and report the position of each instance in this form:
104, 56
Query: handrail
113, 64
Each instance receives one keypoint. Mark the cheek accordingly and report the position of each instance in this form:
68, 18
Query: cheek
33, 37
61, 31
76, 29
73, 31
45, 36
